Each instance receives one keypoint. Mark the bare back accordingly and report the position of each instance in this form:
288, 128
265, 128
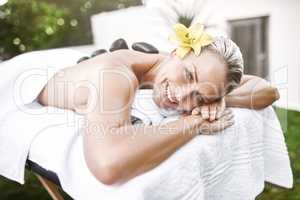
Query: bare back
71, 87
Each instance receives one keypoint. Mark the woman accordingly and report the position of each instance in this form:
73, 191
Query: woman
103, 88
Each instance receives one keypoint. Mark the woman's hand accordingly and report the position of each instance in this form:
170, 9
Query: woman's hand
210, 127
224, 121
211, 111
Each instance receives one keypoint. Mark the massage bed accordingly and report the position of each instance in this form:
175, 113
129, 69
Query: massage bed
232, 173
233, 164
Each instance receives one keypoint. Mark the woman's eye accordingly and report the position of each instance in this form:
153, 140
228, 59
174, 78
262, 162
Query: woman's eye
188, 75
197, 97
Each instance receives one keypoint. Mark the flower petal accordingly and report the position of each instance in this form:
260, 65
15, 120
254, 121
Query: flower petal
196, 31
206, 39
197, 47
188, 39
181, 32
182, 51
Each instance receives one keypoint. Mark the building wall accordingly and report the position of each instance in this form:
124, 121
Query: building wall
284, 40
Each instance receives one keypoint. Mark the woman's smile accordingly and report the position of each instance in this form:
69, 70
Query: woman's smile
169, 98
170, 95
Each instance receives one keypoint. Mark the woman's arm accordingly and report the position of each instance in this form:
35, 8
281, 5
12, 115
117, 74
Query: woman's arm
116, 151
130, 150
254, 92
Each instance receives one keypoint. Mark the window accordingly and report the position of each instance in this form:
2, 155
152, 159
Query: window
251, 35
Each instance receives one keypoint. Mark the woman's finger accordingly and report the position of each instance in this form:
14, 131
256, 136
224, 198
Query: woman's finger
229, 116
219, 111
228, 124
220, 108
212, 112
205, 112
196, 111
222, 125
225, 112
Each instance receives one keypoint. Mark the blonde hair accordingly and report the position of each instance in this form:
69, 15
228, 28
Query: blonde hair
232, 56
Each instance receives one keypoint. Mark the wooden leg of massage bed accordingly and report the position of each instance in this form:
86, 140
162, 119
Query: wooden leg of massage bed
51, 188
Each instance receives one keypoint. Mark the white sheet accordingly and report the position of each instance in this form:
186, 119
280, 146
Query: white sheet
231, 165
225, 166
22, 79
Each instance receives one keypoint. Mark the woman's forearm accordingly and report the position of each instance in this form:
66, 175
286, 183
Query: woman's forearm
133, 150
254, 93
152, 145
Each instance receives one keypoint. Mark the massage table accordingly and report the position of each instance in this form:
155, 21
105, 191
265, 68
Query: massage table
233, 162
252, 161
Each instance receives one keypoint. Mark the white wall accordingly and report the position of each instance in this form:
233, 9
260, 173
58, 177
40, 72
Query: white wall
284, 40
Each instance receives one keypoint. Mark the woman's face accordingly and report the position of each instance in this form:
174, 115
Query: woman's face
191, 82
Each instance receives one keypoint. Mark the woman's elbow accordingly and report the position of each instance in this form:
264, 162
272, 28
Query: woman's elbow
108, 175
273, 94
270, 95
105, 170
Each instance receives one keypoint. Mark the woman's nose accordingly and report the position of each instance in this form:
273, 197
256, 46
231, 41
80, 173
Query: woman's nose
187, 105
186, 98
182, 92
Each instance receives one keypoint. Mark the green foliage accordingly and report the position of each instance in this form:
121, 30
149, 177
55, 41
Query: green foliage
82, 10
27, 25
187, 21
31, 190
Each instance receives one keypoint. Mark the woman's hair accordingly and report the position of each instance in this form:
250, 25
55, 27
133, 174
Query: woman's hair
232, 56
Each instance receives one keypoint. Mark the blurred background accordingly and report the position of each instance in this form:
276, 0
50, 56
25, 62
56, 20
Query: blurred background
266, 31
28, 25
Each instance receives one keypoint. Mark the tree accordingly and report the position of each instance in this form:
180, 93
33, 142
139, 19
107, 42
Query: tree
27, 25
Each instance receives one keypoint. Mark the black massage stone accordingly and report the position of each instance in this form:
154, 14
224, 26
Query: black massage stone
118, 44
83, 59
144, 47
98, 52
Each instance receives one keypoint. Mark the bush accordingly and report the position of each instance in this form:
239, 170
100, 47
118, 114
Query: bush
27, 25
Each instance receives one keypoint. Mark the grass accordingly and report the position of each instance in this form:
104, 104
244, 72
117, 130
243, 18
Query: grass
290, 121
31, 190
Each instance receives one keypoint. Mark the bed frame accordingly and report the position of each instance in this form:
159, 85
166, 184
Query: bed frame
50, 187
48, 179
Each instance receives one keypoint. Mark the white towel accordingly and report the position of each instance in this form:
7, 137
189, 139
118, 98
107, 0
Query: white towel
224, 166
232, 165
22, 79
